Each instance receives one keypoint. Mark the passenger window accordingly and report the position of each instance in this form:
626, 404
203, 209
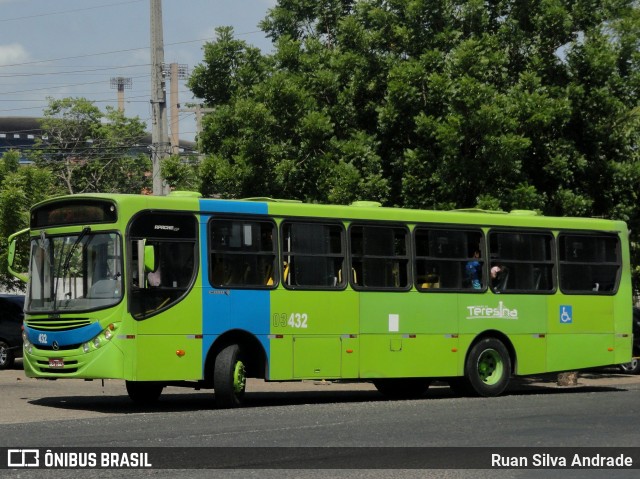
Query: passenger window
521, 262
242, 253
313, 255
589, 264
379, 257
163, 252
449, 260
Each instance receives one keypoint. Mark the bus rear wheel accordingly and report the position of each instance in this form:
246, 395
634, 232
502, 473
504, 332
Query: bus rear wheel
631, 368
488, 367
229, 377
144, 392
402, 388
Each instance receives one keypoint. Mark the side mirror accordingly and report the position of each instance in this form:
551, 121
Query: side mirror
12, 255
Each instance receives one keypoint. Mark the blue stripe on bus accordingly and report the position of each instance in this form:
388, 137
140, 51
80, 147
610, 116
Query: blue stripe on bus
77, 336
224, 309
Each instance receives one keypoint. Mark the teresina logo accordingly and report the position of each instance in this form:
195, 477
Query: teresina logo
489, 312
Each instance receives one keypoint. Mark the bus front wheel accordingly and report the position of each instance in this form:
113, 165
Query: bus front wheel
488, 367
144, 392
229, 377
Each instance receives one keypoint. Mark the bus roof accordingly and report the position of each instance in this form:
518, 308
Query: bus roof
362, 210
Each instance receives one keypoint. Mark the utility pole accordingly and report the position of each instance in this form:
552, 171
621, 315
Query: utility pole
159, 136
198, 110
120, 83
175, 72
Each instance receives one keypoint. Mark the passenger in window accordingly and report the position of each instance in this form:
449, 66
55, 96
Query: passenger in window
499, 277
154, 277
473, 271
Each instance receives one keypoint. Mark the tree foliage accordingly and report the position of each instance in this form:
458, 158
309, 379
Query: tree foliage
81, 150
430, 104
91, 151
20, 188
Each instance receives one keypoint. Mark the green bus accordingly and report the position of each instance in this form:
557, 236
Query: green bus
183, 290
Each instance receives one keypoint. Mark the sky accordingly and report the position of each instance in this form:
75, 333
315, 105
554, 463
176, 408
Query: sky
73, 48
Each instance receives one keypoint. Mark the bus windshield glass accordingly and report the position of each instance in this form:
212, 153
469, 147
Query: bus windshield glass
77, 272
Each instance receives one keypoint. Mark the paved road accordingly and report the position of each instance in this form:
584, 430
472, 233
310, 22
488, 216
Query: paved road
27, 400
603, 410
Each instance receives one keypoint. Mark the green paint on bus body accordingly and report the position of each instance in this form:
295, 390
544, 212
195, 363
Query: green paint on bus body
348, 333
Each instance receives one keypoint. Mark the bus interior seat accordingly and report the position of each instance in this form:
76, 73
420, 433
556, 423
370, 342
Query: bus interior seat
268, 274
537, 278
431, 281
501, 283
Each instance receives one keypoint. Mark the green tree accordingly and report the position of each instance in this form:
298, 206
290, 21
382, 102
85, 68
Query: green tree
20, 189
9, 163
432, 104
180, 173
91, 151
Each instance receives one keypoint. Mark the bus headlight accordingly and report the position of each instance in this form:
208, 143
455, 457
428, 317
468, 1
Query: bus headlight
105, 335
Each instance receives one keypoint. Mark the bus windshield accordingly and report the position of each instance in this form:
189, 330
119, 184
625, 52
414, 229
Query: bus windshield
77, 272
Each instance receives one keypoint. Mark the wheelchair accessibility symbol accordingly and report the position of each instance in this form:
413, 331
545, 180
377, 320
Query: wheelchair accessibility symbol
566, 314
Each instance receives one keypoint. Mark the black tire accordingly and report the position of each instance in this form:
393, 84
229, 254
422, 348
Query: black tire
402, 388
488, 367
631, 368
229, 377
7, 357
144, 393
461, 386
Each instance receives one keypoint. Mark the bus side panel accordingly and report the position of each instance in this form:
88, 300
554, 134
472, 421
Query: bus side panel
523, 318
408, 334
580, 332
531, 353
169, 346
169, 357
223, 309
317, 331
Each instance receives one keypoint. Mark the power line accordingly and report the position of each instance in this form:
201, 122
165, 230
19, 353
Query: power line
66, 72
38, 15
65, 86
87, 55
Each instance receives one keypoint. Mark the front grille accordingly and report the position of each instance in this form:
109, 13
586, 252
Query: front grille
60, 348
58, 324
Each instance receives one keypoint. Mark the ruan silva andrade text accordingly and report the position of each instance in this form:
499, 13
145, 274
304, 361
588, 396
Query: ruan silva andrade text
549, 460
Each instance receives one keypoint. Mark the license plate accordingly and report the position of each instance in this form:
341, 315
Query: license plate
56, 363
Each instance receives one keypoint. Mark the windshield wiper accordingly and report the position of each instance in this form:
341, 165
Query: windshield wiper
67, 261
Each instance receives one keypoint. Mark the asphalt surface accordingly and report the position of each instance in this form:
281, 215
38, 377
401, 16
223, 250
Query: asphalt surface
35, 412
35, 400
